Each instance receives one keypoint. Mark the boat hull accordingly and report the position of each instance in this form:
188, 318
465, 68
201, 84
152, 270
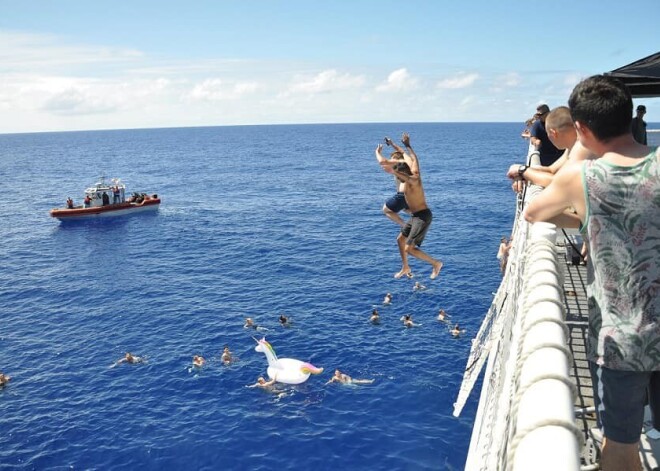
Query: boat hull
121, 209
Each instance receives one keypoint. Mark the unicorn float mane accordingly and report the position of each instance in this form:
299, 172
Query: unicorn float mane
267, 349
310, 369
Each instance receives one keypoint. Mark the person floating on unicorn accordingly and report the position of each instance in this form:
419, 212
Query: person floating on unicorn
285, 370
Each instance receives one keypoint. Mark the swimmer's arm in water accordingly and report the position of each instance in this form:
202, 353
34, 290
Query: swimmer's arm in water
363, 381
119, 362
270, 383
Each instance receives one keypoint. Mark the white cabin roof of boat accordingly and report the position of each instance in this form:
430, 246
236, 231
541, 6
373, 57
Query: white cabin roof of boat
102, 185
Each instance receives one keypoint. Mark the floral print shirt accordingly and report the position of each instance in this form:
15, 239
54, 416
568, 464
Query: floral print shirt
623, 228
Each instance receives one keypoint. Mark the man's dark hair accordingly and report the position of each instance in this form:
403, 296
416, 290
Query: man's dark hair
604, 105
402, 167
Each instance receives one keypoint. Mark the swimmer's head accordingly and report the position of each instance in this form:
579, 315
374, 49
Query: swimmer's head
261, 380
396, 155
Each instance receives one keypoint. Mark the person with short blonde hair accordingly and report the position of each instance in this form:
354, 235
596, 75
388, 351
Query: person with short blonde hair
561, 131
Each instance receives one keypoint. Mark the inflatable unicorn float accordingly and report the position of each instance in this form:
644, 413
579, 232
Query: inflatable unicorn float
285, 370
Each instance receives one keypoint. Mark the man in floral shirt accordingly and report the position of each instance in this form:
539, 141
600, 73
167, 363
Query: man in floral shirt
615, 200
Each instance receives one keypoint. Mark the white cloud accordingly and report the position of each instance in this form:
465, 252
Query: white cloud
25, 52
468, 100
510, 80
221, 90
73, 101
324, 82
461, 81
506, 82
83, 95
398, 81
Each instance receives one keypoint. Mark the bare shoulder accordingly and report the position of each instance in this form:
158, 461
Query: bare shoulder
569, 173
579, 153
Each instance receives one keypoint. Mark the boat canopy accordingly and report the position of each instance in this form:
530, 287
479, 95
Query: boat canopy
642, 77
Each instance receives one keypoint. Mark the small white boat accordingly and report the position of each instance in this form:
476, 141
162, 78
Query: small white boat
106, 199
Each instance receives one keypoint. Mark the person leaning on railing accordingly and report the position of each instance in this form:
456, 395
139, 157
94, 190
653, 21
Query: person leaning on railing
561, 131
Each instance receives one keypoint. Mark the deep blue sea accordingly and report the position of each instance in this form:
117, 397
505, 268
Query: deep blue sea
255, 221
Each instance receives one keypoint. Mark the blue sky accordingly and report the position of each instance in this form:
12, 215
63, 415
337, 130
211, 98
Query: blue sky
99, 64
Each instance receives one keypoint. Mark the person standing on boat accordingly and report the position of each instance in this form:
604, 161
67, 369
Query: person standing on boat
69, 203
116, 195
396, 203
106, 199
87, 201
548, 153
616, 202
413, 233
639, 125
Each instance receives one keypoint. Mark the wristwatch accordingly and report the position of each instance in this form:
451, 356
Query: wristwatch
522, 169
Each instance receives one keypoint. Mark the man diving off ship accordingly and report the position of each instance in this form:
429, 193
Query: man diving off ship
413, 233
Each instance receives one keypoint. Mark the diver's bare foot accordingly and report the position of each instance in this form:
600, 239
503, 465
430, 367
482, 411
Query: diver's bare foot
436, 270
404, 271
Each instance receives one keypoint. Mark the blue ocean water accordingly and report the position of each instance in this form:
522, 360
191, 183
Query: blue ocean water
255, 222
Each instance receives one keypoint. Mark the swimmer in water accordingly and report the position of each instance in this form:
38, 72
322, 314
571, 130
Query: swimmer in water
456, 331
375, 317
284, 321
226, 357
249, 324
342, 378
4, 379
198, 361
442, 315
418, 286
262, 383
388, 299
408, 322
130, 359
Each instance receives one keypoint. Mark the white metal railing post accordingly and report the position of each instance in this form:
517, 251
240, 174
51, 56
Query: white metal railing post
546, 436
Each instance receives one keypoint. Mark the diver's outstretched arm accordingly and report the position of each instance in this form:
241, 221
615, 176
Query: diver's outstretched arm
410, 157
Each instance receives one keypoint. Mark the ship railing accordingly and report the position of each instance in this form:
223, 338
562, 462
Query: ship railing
525, 418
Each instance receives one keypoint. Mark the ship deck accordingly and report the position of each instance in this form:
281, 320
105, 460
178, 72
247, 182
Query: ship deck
575, 301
